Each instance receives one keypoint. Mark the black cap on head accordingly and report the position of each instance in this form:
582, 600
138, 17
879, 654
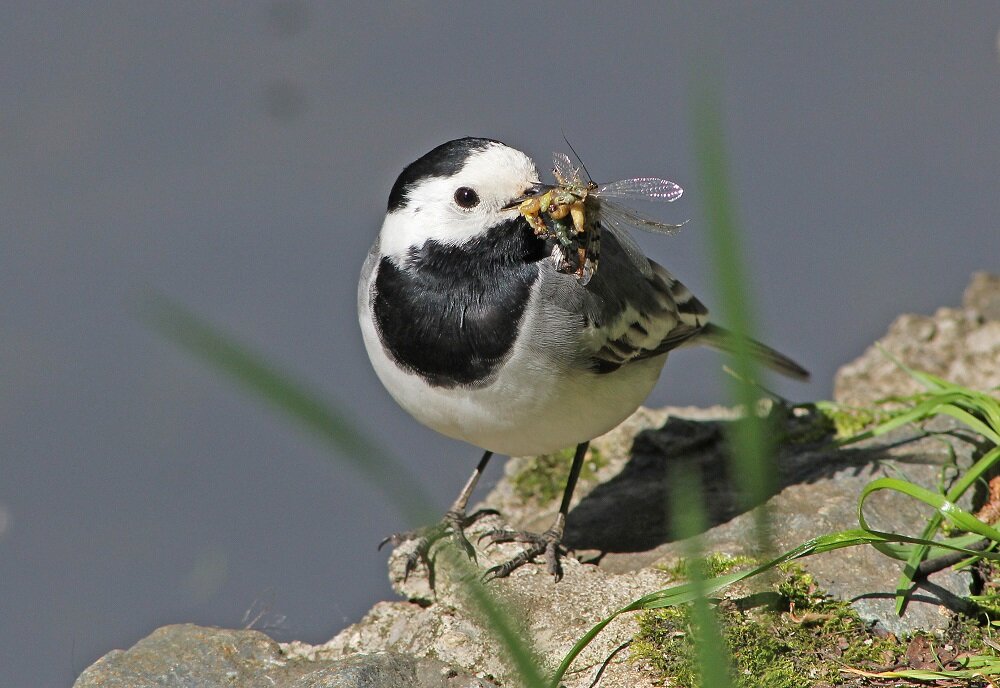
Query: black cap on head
443, 161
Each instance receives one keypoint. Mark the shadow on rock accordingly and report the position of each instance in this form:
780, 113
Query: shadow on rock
630, 512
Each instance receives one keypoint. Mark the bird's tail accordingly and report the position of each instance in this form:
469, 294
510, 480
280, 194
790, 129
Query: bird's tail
725, 340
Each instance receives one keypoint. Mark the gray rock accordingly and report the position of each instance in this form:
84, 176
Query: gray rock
188, 656
551, 618
620, 530
818, 494
959, 344
624, 519
983, 295
619, 520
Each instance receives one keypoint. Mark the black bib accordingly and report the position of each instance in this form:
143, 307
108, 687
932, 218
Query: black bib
451, 313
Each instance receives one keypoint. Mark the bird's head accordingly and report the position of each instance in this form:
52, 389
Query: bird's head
455, 193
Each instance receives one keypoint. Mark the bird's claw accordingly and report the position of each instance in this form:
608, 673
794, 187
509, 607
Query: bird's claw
548, 543
453, 524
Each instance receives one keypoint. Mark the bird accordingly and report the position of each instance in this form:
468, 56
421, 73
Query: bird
475, 332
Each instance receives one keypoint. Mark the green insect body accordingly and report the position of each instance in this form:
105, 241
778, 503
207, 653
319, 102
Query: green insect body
571, 215
565, 215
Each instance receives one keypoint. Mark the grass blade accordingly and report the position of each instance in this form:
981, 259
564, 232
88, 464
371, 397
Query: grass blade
753, 451
331, 425
338, 431
686, 592
688, 516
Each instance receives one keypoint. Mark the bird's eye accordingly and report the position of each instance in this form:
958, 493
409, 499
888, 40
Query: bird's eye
466, 197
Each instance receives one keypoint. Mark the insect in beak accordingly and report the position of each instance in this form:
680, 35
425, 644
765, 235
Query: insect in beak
533, 191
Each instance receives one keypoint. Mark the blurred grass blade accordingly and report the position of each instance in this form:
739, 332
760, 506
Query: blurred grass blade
331, 425
339, 432
498, 618
687, 514
753, 449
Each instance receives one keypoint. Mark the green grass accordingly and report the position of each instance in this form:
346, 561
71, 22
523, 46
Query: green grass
543, 478
980, 412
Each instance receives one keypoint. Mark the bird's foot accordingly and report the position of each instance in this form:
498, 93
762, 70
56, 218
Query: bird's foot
453, 524
548, 543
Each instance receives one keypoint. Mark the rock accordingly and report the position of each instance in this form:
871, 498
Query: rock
621, 533
983, 295
191, 656
624, 518
818, 494
817, 490
551, 617
959, 344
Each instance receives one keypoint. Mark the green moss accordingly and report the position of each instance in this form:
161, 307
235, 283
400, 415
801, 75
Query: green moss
798, 588
544, 478
714, 565
816, 421
805, 644
848, 421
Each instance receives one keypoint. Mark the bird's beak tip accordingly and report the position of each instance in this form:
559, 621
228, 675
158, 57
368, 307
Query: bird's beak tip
536, 189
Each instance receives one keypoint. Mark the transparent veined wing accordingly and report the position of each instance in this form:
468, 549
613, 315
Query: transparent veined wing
564, 171
641, 189
633, 252
617, 220
619, 215
613, 217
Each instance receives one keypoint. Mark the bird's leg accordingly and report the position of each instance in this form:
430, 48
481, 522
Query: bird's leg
454, 523
548, 543
457, 519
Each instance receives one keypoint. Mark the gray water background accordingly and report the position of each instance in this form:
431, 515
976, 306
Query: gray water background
237, 157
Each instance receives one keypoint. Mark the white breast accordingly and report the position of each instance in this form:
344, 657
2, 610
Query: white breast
536, 404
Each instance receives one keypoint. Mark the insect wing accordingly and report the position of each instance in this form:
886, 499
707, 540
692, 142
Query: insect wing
564, 171
641, 189
624, 238
618, 215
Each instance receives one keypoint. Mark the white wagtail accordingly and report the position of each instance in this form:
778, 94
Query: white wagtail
475, 332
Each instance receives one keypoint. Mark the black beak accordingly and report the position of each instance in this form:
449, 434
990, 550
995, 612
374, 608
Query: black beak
532, 191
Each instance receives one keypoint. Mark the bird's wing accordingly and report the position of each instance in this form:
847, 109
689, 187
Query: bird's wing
629, 311
676, 318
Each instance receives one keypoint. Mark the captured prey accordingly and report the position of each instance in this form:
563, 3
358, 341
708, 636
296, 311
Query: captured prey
573, 212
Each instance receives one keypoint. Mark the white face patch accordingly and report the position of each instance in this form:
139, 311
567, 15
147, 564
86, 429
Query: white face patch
498, 174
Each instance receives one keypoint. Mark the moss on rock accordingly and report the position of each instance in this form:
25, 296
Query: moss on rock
802, 640
544, 478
